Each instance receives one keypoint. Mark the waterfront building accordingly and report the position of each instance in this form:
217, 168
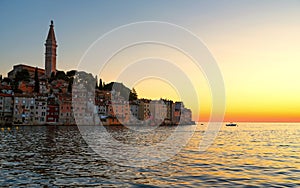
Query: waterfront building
79, 100
101, 103
83, 105
178, 106
52, 115
102, 109
40, 110
186, 116
144, 109
66, 116
6, 108
170, 111
134, 110
158, 111
24, 109
119, 110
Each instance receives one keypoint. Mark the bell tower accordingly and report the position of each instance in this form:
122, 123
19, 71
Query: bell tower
50, 53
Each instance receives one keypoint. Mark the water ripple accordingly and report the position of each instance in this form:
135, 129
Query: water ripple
250, 155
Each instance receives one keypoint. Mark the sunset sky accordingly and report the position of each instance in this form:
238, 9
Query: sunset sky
255, 43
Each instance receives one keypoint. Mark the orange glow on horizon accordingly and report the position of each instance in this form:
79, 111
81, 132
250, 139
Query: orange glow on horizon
254, 117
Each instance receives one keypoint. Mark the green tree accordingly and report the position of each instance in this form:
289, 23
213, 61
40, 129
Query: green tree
70, 85
36, 81
100, 84
133, 95
7, 80
87, 79
60, 75
52, 77
22, 75
0, 77
71, 73
96, 85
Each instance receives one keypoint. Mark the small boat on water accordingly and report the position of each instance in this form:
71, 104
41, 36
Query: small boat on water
231, 124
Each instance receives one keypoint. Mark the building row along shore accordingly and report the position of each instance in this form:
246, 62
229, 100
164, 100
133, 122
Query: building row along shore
35, 96
55, 105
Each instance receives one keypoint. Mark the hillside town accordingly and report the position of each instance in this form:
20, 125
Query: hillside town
34, 96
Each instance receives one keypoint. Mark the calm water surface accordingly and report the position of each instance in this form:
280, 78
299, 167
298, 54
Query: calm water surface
252, 154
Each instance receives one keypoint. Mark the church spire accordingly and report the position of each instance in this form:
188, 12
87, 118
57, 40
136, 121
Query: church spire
51, 34
50, 54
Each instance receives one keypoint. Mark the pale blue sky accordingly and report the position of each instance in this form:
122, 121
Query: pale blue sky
24, 24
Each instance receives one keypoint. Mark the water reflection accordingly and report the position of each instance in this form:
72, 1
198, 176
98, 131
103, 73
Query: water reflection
248, 155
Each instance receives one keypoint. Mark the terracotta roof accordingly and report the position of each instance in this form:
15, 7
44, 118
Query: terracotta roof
23, 95
5, 87
27, 66
5, 95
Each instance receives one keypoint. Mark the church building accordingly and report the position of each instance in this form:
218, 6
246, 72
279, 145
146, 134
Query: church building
50, 58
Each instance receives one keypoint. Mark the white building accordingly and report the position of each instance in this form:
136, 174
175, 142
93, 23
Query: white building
158, 110
24, 109
40, 110
134, 110
144, 109
186, 116
6, 109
